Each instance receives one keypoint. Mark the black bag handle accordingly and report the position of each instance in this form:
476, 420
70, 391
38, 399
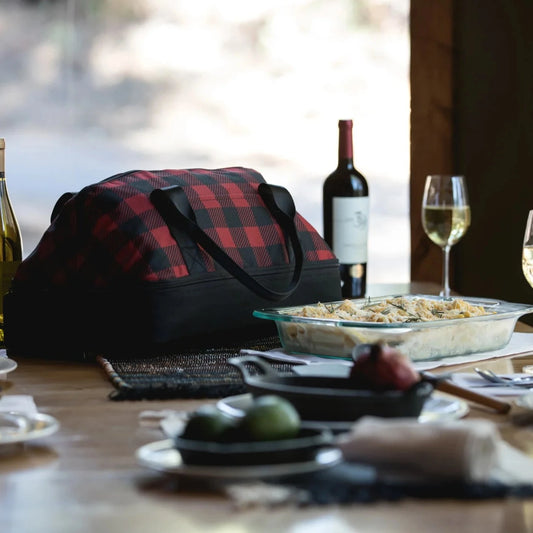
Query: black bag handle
58, 207
173, 205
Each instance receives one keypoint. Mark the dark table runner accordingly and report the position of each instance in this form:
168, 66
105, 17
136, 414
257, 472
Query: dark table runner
353, 483
191, 372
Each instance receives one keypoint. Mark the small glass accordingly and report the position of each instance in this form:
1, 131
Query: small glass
527, 250
445, 216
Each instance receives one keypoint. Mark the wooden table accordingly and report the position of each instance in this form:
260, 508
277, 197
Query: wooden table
85, 478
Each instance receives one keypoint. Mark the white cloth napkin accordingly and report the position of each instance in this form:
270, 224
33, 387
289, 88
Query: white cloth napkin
18, 403
169, 421
470, 450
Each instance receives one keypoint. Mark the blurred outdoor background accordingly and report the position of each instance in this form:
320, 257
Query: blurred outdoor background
95, 87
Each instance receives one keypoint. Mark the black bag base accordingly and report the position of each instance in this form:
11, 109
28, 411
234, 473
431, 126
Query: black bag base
234, 339
71, 324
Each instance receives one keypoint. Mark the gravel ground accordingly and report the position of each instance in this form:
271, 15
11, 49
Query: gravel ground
89, 92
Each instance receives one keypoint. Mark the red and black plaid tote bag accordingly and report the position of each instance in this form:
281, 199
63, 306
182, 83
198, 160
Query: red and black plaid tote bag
145, 259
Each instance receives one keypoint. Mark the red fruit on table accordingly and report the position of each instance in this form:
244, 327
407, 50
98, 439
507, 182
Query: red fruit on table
381, 367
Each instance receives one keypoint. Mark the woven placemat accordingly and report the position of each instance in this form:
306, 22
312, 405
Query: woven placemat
191, 372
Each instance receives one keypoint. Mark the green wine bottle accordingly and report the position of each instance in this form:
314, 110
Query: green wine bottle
11, 240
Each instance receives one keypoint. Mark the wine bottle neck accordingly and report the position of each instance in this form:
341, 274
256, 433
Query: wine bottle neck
345, 142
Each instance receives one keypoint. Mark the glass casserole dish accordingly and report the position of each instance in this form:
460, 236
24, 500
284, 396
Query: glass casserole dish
420, 340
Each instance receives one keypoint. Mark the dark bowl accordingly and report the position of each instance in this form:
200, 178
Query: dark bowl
302, 448
330, 398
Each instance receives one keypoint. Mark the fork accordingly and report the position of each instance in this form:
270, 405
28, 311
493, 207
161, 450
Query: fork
490, 376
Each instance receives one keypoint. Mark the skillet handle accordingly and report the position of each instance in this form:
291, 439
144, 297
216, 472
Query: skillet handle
240, 363
461, 392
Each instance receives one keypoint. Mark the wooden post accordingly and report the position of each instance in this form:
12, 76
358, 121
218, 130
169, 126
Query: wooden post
431, 74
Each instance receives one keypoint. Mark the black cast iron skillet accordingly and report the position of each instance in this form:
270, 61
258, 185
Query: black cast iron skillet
335, 399
330, 398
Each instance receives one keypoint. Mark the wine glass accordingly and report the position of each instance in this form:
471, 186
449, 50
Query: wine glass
527, 250
445, 216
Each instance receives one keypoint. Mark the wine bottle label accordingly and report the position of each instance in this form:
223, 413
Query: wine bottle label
350, 229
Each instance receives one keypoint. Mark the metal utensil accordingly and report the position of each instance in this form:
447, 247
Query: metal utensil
490, 376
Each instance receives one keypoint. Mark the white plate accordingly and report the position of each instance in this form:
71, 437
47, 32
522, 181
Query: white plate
436, 409
163, 457
525, 401
7, 365
18, 427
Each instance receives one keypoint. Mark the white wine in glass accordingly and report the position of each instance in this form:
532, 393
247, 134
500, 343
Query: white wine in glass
445, 216
527, 250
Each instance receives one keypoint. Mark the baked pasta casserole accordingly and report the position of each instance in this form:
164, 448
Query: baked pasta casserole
398, 309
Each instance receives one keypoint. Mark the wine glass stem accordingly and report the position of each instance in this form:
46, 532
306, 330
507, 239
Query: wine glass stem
446, 272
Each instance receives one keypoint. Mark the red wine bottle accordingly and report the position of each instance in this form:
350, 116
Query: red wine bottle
345, 204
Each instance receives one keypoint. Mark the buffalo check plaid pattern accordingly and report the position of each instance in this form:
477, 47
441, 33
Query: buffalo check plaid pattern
109, 233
